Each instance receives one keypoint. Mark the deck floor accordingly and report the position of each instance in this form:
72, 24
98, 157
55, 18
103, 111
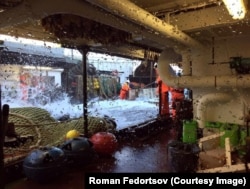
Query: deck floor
143, 155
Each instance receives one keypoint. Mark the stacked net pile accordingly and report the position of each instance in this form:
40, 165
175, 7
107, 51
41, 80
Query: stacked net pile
40, 129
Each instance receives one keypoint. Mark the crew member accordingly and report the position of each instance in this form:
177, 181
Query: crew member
163, 94
177, 96
124, 92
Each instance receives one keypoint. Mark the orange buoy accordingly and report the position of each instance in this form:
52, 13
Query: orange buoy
104, 143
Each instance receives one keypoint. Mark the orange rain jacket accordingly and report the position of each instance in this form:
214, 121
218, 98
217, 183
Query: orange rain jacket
124, 91
164, 87
164, 96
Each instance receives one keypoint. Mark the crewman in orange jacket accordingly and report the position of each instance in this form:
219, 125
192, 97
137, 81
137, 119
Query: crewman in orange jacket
177, 95
124, 92
164, 101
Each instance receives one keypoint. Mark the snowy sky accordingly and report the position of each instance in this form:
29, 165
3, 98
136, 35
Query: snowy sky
124, 112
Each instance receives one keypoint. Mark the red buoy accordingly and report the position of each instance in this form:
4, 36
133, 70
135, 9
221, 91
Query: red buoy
104, 143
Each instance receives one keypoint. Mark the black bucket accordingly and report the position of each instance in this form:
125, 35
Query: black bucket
182, 157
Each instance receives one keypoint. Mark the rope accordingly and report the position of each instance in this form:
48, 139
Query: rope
47, 133
31, 124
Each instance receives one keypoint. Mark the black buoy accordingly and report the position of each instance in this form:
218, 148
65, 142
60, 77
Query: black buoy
78, 151
44, 164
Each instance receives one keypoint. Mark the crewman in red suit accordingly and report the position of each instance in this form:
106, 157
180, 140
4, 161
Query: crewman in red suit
177, 96
164, 101
124, 92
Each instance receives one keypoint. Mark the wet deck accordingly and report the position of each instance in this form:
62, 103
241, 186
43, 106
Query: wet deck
141, 154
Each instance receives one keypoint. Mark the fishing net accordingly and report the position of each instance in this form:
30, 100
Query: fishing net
43, 130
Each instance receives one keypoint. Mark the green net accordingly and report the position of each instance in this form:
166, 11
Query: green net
46, 131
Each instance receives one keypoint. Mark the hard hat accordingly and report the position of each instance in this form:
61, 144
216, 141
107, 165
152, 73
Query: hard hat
127, 81
155, 65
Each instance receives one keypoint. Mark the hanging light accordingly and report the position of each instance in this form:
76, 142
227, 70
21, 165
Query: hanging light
236, 8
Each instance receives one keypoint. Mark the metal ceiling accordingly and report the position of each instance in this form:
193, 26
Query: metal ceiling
150, 25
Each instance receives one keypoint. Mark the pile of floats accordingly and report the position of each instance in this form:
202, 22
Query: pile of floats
43, 148
48, 163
